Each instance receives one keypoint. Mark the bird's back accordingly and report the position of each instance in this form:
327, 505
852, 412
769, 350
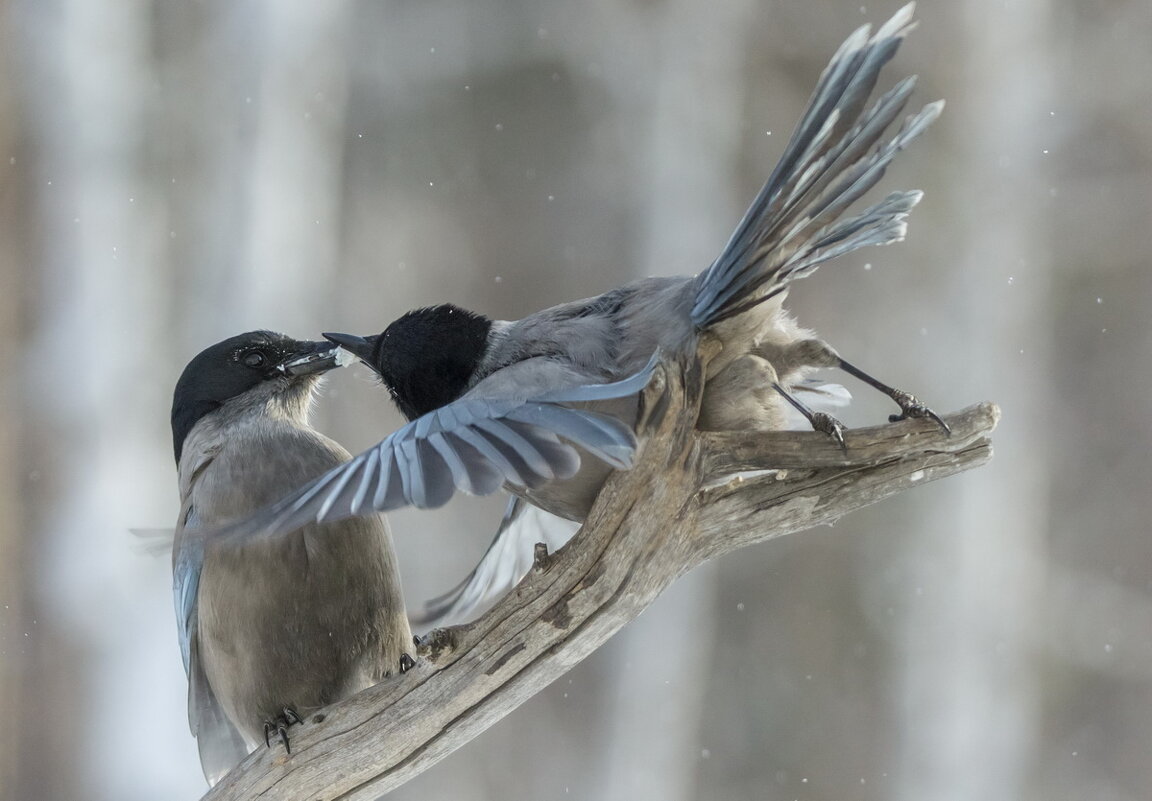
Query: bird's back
599, 339
595, 340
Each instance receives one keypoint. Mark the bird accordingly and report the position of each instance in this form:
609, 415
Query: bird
517, 404
272, 625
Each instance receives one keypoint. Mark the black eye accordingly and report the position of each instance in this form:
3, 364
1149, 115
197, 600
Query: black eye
254, 359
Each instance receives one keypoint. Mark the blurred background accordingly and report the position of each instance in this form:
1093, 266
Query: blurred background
173, 173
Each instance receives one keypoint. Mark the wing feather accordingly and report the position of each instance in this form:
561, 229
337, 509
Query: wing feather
474, 445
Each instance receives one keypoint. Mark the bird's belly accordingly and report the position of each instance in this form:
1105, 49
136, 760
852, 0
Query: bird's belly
297, 629
573, 497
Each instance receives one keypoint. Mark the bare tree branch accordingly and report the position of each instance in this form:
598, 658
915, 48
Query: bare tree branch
679, 506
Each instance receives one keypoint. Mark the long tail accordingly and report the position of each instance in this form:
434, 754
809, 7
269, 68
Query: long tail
836, 154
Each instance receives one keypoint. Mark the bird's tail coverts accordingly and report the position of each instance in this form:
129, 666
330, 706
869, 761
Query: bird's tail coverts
835, 155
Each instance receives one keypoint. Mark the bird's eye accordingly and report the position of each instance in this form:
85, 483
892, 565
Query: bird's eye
254, 359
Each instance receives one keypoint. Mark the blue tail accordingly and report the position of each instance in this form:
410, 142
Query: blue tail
836, 154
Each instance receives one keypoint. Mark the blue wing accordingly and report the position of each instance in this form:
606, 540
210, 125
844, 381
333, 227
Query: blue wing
473, 444
187, 563
220, 744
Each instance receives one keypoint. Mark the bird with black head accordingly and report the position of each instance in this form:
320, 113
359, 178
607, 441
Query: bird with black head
273, 624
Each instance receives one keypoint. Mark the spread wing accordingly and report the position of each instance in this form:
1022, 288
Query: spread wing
474, 444
506, 561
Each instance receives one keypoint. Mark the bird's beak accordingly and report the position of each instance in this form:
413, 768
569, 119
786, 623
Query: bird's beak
311, 358
360, 347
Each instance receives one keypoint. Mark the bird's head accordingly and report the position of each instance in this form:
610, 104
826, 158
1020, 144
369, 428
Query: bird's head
262, 370
426, 358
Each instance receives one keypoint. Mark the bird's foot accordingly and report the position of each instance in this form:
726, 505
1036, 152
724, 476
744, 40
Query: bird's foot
435, 642
911, 407
279, 726
827, 424
540, 556
406, 662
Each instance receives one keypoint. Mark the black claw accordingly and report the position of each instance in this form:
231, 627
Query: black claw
287, 717
406, 663
820, 421
939, 421
910, 407
827, 424
540, 555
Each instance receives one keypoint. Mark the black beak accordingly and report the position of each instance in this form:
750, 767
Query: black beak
311, 358
362, 348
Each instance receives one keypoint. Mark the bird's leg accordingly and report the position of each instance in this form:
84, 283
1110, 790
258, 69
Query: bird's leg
816, 353
909, 405
820, 421
741, 397
279, 725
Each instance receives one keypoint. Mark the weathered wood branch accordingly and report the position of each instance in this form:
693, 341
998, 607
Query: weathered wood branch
682, 504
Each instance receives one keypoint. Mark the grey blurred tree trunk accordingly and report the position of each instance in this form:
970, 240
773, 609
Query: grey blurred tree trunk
99, 259
256, 147
113, 311
693, 123
15, 585
294, 176
971, 703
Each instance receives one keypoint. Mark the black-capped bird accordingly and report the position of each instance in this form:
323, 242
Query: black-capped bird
273, 624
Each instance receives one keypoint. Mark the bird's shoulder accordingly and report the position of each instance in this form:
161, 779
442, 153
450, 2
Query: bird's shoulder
230, 472
590, 341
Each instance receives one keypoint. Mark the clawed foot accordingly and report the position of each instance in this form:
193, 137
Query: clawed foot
827, 424
540, 556
435, 642
279, 726
407, 662
910, 407
820, 421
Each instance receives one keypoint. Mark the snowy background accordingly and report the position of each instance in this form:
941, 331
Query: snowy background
172, 173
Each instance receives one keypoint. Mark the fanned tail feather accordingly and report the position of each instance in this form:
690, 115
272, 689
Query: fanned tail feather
835, 155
